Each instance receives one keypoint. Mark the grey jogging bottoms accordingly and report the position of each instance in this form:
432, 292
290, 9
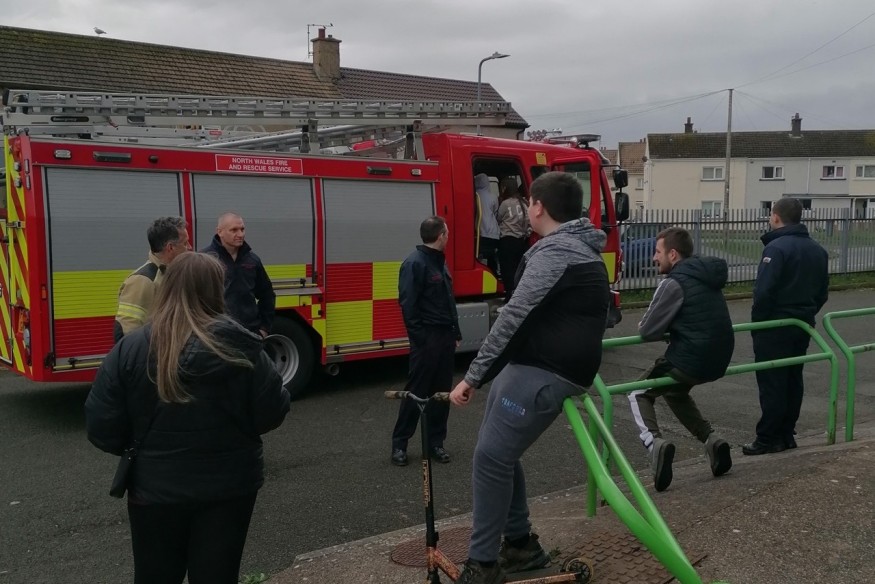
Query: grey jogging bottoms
523, 401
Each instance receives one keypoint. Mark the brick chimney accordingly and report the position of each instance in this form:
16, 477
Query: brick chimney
796, 125
326, 57
688, 127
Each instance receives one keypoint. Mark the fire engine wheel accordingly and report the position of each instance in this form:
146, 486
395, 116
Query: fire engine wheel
292, 353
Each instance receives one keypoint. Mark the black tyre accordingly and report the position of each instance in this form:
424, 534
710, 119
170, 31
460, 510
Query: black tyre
293, 353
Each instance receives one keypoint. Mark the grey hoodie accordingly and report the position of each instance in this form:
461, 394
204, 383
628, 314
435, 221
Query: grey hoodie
556, 317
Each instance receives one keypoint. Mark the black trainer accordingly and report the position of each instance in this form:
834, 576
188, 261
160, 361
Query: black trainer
439, 454
476, 573
531, 556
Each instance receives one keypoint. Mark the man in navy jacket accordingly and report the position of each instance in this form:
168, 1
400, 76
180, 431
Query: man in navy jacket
249, 295
792, 282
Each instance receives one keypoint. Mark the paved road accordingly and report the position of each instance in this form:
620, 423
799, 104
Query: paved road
329, 479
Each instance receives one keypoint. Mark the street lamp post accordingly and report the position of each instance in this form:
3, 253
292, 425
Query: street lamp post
495, 55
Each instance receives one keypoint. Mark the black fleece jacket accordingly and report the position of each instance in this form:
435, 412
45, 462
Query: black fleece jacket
204, 450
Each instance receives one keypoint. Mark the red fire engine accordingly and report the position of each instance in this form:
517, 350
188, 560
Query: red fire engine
332, 230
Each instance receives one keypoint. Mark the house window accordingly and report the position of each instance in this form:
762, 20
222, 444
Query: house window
712, 173
766, 208
639, 184
865, 171
711, 209
773, 173
833, 172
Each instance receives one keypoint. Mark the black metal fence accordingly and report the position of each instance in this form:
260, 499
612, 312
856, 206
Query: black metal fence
849, 239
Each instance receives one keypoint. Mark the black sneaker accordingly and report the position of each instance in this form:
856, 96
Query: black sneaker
476, 573
520, 559
439, 454
661, 459
399, 457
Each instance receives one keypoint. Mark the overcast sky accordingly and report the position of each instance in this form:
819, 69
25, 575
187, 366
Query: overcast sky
620, 69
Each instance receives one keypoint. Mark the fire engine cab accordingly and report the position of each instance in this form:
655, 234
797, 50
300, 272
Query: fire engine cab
86, 173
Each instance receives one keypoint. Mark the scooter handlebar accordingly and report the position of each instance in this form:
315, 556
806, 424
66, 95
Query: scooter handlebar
439, 396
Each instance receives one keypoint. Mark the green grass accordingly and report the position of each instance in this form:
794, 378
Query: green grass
836, 281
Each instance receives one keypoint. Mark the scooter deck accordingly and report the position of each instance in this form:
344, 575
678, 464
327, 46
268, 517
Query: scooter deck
547, 576
577, 570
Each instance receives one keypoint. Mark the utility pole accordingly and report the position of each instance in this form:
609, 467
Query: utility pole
726, 173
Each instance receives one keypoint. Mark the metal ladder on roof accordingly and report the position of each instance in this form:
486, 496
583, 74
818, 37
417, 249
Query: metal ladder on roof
200, 119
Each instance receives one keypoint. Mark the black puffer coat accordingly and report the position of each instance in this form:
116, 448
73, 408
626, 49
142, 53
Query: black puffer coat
207, 449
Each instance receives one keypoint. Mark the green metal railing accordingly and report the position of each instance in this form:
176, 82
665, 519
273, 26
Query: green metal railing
826, 354
848, 352
647, 524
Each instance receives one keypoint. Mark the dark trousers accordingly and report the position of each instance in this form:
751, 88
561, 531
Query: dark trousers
510, 253
781, 389
430, 371
677, 398
203, 539
489, 253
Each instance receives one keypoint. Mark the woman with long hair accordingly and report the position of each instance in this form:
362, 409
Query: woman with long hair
192, 392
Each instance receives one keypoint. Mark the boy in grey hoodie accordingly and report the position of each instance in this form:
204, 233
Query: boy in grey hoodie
545, 346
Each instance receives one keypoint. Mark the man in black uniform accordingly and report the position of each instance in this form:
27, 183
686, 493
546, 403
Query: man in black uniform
792, 282
425, 292
249, 295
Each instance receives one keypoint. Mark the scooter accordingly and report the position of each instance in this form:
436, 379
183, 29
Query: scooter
577, 570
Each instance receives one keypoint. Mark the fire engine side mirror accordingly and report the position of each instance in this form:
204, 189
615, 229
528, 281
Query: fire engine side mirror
622, 205
621, 178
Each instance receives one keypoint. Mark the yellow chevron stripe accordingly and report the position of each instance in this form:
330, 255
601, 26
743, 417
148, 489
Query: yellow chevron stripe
610, 259
385, 280
349, 322
319, 326
86, 294
490, 284
5, 315
15, 274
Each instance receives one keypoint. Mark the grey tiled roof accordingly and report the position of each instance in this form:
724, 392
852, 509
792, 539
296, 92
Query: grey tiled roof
366, 84
36, 59
811, 143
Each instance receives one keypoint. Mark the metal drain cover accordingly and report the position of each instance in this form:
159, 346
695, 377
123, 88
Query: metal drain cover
452, 542
620, 558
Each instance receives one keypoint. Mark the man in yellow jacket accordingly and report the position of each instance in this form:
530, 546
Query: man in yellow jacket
168, 237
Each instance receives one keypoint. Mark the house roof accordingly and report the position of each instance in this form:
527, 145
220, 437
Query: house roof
632, 156
37, 59
610, 154
811, 143
367, 84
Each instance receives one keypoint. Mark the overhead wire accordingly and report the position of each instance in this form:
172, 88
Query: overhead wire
773, 74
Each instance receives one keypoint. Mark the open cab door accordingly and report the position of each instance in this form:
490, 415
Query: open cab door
588, 167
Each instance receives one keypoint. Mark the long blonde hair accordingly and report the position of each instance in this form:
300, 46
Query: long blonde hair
189, 301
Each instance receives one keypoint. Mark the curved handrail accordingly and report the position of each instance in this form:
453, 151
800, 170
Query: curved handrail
848, 352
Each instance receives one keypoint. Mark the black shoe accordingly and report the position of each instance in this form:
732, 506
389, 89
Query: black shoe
756, 448
530, 556
476, 573
790, 442
399, 457
439, 454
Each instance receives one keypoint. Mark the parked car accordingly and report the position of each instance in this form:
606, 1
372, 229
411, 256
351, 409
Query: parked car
638, 242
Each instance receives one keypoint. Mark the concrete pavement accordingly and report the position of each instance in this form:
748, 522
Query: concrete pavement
803, 515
